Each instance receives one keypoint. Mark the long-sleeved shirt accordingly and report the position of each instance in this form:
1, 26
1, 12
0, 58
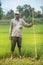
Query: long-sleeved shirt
16, 27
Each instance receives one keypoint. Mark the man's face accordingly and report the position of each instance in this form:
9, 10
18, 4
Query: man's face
17, 15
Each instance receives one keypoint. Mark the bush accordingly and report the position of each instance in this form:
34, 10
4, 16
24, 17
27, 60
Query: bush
38, 21
28, 20
4, 22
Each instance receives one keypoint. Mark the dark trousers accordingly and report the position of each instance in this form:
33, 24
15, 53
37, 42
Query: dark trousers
15, 40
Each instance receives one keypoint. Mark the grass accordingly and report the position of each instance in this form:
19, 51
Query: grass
27, 40
28, 49
23, 61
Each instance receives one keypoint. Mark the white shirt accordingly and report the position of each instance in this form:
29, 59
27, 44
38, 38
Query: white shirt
16, 27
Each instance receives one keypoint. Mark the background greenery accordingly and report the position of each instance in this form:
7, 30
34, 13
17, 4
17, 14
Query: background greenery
28, 43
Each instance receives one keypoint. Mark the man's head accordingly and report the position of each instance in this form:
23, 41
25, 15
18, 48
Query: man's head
17, 14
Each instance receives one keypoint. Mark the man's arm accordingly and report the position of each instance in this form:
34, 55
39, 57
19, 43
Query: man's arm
11, 27
26, 24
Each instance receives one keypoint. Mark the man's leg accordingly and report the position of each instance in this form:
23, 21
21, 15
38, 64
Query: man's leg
19, 40
19, 52
13, 44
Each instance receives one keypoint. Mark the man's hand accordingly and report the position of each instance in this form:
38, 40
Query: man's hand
31, 24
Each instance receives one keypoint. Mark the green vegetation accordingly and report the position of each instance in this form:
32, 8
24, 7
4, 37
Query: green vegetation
27, 41
23, 61
25, 11
28, 45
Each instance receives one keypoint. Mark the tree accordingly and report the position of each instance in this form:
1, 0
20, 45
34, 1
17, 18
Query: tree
25, 10
20, 9
10, 14
42, 8
1, 11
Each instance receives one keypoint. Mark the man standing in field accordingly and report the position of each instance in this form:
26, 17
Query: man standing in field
16, 32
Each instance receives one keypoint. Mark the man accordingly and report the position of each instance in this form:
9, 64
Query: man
16, 32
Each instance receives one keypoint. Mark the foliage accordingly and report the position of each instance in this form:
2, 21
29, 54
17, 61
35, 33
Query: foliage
27, 46
23, 61
10, 14
27, 41
1, 11
25, 11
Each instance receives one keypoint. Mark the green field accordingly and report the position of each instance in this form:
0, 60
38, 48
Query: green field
28, 45
27, 41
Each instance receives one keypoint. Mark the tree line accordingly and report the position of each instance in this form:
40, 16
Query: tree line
25, 13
